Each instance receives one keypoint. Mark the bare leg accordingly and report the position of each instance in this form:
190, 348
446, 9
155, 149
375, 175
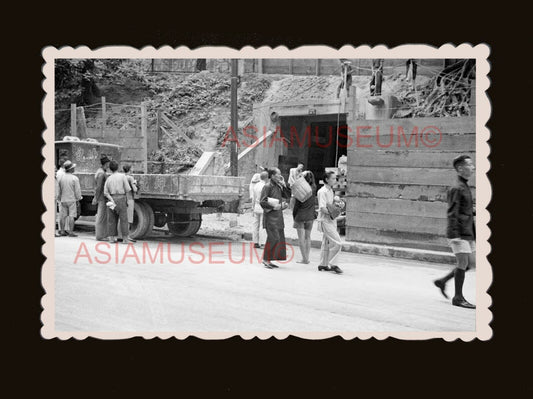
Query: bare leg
471, 261
301, 243
307, 244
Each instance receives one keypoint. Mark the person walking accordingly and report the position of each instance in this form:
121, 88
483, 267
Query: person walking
331, 241
99, 199
257, 210
460, 230
130, 196
272, 201
69, 193
115, 188
304, 215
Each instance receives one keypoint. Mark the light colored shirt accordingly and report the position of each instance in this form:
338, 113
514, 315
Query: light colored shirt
116, 184
60, 173
325, 196
256, 197
255, 179
69, 188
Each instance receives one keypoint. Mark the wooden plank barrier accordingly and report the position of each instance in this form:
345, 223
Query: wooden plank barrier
396, 194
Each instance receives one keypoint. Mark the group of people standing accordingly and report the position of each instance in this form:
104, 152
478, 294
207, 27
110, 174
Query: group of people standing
113, 196
271, 196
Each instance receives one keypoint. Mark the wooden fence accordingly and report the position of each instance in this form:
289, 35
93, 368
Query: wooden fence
397, 194
133, 139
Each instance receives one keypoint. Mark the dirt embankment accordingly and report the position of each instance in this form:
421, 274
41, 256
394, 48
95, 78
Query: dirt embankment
198, 103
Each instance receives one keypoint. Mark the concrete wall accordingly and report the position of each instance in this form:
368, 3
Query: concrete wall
131, 141
269, 151
397, 194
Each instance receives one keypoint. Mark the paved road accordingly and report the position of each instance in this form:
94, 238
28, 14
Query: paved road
375, 294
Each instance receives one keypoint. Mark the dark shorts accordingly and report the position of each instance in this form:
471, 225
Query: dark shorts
308, 225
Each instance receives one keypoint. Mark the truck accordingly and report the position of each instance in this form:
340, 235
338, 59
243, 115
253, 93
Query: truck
175, 200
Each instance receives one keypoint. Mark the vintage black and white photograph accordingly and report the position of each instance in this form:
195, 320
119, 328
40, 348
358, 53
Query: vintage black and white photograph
264, 192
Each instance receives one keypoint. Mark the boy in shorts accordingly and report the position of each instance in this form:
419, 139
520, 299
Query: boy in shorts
461, 231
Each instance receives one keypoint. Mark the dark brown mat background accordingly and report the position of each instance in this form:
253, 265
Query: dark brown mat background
330, 366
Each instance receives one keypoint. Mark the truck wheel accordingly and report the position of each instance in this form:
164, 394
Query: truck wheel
143, 220
151, 218
160, 219
185, 228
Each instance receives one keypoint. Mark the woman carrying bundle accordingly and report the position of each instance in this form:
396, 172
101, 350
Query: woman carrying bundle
304, 215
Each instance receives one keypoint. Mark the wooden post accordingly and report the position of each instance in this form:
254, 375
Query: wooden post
144, 132
104, 115
83, 124
317, 67
73, 125
260, 65
234, 119
291, 66
158, 128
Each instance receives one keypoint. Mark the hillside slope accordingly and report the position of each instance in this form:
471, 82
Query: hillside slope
199, 103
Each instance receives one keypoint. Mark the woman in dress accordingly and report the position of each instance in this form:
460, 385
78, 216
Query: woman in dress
304, 215
273, 201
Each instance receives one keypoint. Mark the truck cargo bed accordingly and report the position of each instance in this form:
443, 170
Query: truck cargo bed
196, 188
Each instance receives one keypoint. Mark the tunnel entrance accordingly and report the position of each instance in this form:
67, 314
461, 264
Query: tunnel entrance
316, 140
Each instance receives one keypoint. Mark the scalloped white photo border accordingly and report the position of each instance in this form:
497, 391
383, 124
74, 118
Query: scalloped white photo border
483, 271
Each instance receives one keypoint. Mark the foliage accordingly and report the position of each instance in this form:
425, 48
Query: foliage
199, 102
76, 80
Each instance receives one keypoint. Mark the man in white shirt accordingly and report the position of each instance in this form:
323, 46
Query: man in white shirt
257, 210
331, 241
68, 194
115, 188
